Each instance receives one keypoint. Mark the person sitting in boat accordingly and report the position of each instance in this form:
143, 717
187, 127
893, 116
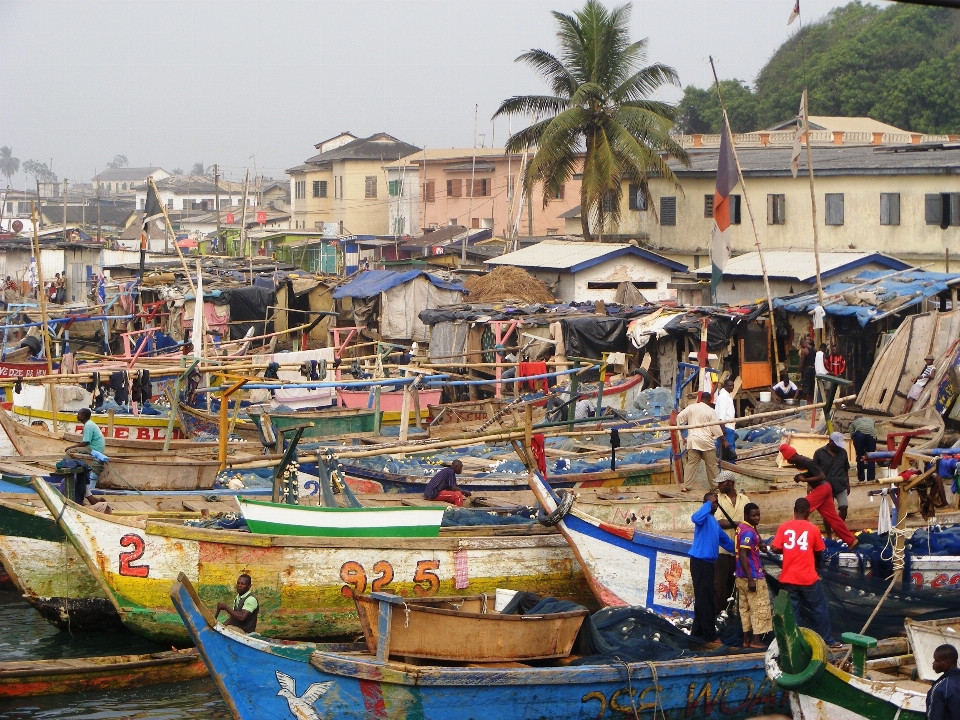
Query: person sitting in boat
92, 441
943, 699
919, 383
245, 609
819, 493
786, 389
444, 486
753, 597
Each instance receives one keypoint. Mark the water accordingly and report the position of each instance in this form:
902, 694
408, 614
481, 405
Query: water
24, 635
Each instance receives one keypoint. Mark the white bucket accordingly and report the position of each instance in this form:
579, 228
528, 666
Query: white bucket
503, 598
765, 396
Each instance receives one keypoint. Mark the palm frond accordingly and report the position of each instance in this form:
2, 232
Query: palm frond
561, 82
527, 138
537, 105
645, 82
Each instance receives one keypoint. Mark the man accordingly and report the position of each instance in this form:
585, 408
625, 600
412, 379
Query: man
835, 363
863, 432
785, 389
832, 459
444, 486
820, 360
919, 383
819, 493
245, 607
732, 503
700, 440
943, 699
707, 539
808, 375
801, 545
726, 411
753, 597
91, 440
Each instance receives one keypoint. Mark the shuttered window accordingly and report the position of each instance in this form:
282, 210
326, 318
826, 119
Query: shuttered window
833, 208
889, 208
319, 188
429, 191
478, 188
370, 186
454, 188
735, 204
708, 206
942, 209
668, 210
395, 188
776, 209
637, 199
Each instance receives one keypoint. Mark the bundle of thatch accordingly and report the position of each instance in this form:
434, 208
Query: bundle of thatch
507, 284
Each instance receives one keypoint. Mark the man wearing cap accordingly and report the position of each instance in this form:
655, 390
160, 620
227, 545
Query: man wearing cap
929, 370
832, 459
700, 440
819, 493
708, 538
730, 508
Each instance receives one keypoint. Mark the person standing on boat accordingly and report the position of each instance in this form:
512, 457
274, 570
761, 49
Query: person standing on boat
929, 370
832, 459
727, 412
708, 538
752, 594
819, 493
807, 373
730, 513
943, 699
800, 543
443, 486
245, 609
700, 440
863, 432
92, 440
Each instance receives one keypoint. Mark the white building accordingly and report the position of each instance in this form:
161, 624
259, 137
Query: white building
121, 181
197, 193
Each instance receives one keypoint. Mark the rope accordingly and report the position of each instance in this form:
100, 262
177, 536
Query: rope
406, 615
633, 703
656, 689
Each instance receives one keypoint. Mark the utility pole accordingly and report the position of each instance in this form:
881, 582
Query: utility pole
216, 190
64, 209
99, 229
243, 219
473, 174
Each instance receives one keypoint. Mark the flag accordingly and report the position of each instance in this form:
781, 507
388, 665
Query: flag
795, 13
152, 210
32, 274
798, 138
197, 336
726, 181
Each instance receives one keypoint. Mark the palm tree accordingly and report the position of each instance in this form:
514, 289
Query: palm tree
9, 165
600, 109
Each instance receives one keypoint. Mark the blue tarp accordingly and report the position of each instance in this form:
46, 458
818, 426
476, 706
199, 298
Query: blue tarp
374, 282
917, 285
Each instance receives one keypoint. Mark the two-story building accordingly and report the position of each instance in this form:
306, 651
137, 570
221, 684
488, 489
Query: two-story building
345, 186
197, 193
125, 181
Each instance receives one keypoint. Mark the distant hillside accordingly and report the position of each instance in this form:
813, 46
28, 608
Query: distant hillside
899, 65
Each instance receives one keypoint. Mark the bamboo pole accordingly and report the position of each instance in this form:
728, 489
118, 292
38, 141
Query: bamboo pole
43, 310
813, 197
176, 245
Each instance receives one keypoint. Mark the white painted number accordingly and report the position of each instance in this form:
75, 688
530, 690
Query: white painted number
794, 541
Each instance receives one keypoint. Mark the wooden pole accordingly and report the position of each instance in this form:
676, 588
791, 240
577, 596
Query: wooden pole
813, 197
176, 245
216, 191
43, 310
243, 221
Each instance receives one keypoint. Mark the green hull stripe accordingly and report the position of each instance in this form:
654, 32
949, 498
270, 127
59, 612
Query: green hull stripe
270, 528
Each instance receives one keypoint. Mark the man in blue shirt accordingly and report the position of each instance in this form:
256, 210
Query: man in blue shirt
708, 538
943, 700
443, 486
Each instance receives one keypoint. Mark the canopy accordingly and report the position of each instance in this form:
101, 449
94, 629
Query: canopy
371, 283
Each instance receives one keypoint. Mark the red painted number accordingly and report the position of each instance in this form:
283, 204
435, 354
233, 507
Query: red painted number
425, 574
385, 577
135, 542
353, 575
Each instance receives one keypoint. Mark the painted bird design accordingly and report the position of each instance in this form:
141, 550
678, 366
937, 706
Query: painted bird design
301, 707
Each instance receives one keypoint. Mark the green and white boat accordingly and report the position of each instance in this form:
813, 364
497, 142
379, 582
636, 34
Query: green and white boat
279, 519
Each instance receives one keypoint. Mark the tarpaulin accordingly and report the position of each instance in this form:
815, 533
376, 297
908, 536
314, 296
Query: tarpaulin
590, 336
374, 282
248, 308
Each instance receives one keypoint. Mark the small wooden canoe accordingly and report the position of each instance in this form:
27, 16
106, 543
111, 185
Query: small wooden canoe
925, 636
279, 519
391, 402
48, 677
323, 423
462, 629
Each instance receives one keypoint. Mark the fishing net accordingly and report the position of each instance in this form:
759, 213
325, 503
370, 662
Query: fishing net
459, 517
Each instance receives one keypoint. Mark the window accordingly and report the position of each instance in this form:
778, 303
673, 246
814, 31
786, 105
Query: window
429, 191
370, 186
833, 214
399, 225
9, 207
319, 188
124, 186
708, 206
454, 188
341, 195
395, 188
776, 209
638, 284
735, 205
479, 187
169, 203
318, 225
608, 201
453, 221
300, 189
557, 195
637, 199
889, 208
552, 231
668, 210
942, 209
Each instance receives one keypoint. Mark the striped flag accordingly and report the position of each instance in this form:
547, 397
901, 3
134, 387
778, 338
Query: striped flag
726, 181
795, 13
798, 138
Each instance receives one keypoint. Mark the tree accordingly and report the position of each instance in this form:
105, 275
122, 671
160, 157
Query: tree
178, 171
599, 107
40, 171
198, 169
119, 161
9, 165
699, 110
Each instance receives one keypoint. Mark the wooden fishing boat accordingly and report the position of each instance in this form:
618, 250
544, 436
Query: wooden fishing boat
400, 522
925, 636
798, 662
462, 629
27, 678
624, 565
391, 401
200, 422
300, 581
323, 423
471, 415
259, 678
119, 426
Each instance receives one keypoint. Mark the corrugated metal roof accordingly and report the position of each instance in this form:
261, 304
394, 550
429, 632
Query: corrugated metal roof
801, 264
575, 256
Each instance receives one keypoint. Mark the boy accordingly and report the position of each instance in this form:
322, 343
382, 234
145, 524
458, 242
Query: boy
754, 600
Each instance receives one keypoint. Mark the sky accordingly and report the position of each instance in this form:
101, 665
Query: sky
255, 85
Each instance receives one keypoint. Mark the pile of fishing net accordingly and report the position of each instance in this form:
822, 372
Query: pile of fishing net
458, 517
507, 283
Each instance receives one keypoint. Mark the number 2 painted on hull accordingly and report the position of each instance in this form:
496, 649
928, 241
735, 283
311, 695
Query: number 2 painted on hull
136, 542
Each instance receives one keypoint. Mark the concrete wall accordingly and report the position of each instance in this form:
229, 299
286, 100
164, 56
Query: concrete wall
574, 287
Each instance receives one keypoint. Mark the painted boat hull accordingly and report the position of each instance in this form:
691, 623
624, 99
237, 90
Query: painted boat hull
200, 422
391, 403
121, 427
50, 677
352, 686
328, 423
301, 583
279, 519
925, 636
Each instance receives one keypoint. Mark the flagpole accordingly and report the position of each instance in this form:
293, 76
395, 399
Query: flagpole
756, 235
48, 351
176, 245
813, 197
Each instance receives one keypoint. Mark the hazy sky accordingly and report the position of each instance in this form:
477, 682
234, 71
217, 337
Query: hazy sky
173, 83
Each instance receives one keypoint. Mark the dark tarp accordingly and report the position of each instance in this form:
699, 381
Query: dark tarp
248, 308
589, 336
373, 282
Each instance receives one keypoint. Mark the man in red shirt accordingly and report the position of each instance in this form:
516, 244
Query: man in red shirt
800, 543
819, 493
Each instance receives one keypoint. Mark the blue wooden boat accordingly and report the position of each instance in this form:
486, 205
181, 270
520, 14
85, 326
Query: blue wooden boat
624, 566
269, 679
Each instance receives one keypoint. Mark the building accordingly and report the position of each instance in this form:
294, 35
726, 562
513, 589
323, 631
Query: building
584, 271
111, 219
343, 190
432, 189
118, 181
186, 194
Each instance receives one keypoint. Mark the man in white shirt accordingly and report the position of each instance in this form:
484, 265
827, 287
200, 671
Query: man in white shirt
700, 440
786, 389
726, 411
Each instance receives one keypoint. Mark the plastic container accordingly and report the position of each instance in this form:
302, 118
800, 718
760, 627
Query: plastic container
765, 396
